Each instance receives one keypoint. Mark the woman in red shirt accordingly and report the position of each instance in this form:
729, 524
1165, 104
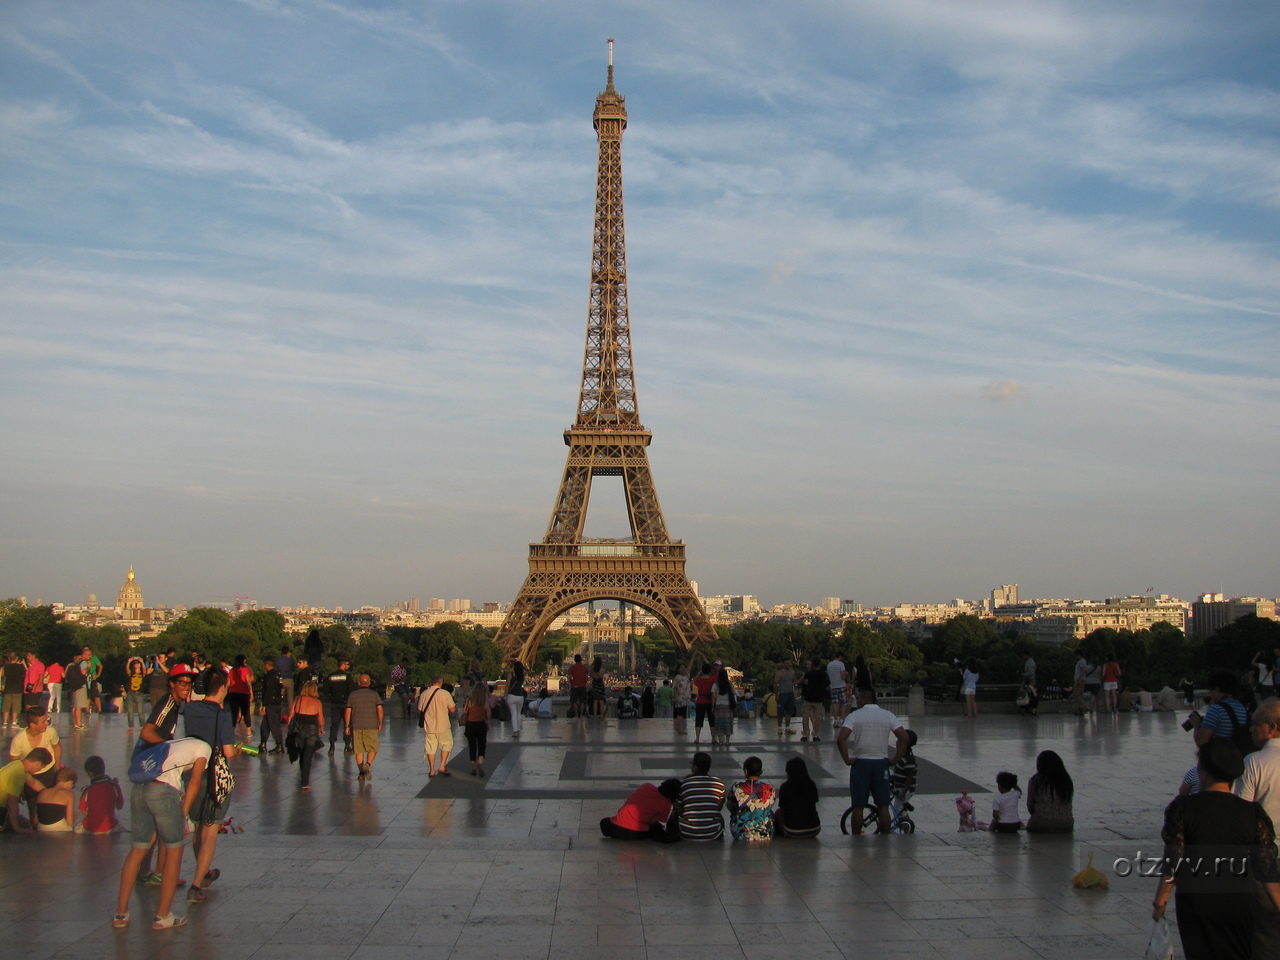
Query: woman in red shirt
644, 815
702, 685
240, 691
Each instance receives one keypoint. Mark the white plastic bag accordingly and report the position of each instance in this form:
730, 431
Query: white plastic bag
1160, 944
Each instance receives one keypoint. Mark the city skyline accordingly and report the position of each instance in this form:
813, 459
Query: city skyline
925, 297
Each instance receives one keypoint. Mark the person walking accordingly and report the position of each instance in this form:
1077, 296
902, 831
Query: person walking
286, 667
306, 717
337, 687
476, 717
435, 706
1077, 685
363, 722
272, 708
516, 694
400, 684
33, 694
662, 700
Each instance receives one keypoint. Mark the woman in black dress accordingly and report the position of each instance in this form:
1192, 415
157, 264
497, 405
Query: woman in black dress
1220, 854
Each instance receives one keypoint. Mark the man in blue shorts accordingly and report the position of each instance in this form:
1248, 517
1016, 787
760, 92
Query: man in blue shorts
863, 742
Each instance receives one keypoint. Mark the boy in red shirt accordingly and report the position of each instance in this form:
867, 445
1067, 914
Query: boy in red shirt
99, 800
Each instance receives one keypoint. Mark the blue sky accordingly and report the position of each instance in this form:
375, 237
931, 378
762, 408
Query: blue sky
926, 296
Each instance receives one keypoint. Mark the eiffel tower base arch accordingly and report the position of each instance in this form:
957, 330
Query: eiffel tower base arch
656, 584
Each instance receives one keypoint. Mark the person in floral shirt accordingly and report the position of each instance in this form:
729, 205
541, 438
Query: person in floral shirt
752, 803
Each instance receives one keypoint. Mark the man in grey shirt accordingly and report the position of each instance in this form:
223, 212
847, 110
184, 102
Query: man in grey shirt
363, 724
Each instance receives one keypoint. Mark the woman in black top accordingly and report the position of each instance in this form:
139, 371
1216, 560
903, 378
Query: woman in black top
797, 814
1220, 853
861, 674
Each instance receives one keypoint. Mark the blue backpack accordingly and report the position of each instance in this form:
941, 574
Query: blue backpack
148, 764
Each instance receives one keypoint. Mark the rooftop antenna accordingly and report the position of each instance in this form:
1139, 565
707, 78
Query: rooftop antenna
611, 61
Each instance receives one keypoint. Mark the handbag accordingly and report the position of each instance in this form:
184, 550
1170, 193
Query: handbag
220, 781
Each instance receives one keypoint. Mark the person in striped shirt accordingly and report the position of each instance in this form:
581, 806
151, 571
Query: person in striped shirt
701, 800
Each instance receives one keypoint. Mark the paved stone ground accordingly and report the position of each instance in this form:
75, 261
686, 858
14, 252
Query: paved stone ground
513, 866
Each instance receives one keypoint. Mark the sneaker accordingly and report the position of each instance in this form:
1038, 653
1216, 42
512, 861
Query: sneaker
120, 921
153, 878
804, 739
816, 739
169, 922
195, 895
211, 876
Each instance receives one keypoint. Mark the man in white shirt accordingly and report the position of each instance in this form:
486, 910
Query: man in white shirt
1077, 685
1260, 781
159, 808
863, 743
434, 706
840, 692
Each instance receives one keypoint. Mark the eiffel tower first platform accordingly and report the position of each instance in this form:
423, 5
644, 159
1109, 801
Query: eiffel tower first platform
606, 440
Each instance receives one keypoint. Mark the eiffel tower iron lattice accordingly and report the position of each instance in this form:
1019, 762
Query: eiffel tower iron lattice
606, 439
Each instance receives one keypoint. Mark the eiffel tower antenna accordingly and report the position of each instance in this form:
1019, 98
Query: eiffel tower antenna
606, 439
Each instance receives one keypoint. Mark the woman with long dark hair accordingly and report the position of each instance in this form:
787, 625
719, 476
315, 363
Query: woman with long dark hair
515, 696
598, 695
797, 814
1050, 793
722, 704
861, 674
240, 690
476, 717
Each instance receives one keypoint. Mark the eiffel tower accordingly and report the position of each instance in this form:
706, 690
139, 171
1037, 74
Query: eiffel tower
606, 440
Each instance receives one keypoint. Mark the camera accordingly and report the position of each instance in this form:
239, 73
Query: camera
1190, 722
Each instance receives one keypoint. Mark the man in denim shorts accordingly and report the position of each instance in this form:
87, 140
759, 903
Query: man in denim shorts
863, 742
159, 808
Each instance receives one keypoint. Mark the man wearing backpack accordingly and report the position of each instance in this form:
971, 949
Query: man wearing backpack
1226, 717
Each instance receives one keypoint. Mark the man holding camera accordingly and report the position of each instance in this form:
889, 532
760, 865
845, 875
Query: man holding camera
1226, 716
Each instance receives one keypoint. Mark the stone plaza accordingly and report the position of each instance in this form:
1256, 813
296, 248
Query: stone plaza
514, 866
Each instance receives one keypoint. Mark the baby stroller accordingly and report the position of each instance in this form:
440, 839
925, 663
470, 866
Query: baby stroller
902, 787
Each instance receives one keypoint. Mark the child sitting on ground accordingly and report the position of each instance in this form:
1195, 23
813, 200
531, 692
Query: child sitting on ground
56, 805
99, 800
1004, 808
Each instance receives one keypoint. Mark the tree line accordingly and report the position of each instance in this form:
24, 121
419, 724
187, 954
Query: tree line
1154, 657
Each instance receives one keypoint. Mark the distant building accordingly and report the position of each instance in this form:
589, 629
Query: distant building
1213, 611
1001, 595
1057, 621
129, 600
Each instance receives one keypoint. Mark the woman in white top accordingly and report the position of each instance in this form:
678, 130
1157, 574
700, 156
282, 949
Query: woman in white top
970, 686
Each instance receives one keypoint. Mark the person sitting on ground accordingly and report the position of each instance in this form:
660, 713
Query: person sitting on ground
645, 813
701, 799
1124, 702
15, 777
1049, 796
628, 705
1145, 702
797, 814
543, 708
1005, 817
1167, 700
752, 804
100, 798
56, 805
